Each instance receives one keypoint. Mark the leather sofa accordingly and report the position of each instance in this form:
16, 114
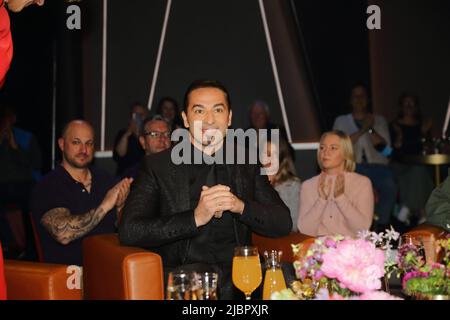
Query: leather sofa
115, 272
428, 234
38, 281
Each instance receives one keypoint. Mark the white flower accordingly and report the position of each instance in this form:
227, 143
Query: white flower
376, 237
391, 234
363, 234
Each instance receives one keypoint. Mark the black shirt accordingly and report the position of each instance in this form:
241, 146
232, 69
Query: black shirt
59, 189
133, 156
216, 240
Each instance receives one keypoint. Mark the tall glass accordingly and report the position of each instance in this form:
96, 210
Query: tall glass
274, 279
247, 274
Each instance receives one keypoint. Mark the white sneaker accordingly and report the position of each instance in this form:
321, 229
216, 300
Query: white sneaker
403, 215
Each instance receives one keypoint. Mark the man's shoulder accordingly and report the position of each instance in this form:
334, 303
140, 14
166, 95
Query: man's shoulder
50, 178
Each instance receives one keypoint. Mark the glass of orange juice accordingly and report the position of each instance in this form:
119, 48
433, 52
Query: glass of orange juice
247, 274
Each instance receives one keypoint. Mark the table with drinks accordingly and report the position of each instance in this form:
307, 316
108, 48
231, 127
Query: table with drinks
246, 276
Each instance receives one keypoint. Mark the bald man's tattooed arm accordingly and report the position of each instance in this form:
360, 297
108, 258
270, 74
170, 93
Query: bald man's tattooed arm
65, 227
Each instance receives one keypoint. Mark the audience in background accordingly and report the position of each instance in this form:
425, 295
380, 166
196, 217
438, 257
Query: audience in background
127, 149
372, 146
155, 138
20, 165
338, 201
168, 109
285, 180
438, 206
260, 119
409, 130
76, 199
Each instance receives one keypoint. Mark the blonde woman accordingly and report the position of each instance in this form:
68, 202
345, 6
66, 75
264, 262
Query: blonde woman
338, 201
285, 180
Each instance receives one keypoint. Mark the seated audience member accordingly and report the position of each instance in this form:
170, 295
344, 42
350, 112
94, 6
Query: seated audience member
20, 165
127, 149
76, 199
193, 214
285, 179
154, 138
408, 130
338, 201
168, 109
260, 119
438, 206
372, 146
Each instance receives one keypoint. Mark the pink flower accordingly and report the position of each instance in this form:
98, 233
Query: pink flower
356, 264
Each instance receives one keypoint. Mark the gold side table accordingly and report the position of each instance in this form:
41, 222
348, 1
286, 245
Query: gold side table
435, 160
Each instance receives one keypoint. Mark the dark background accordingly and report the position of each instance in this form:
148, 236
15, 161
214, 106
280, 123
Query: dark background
225, 40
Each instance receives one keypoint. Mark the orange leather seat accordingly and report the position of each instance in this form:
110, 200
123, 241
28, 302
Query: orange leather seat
283, 244
115, 272
38, 281
428, 234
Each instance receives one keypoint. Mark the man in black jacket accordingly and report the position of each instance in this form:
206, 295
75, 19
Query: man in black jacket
195, 214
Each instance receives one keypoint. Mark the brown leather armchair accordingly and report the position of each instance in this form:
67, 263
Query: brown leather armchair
283, 244
428, 234
38, 281
115, 272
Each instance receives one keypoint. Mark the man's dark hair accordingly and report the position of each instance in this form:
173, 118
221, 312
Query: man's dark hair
198, 84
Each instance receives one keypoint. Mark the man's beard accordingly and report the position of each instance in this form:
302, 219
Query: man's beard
72, 161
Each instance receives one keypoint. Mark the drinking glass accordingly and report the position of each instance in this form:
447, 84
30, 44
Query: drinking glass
179, 286
204, 286
246, 274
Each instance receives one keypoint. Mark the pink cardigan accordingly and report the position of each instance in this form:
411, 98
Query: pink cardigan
345, 215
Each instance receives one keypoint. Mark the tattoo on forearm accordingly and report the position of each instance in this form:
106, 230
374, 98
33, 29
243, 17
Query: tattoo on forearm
65, 227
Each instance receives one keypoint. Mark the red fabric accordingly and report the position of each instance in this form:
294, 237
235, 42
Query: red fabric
2, 277
6, 45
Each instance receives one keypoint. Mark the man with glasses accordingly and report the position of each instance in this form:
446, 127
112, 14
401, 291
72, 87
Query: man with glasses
155, 136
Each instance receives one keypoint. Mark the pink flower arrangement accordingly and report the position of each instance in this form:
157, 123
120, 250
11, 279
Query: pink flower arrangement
342, 268
357, 265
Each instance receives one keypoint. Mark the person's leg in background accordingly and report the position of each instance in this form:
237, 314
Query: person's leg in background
383, 181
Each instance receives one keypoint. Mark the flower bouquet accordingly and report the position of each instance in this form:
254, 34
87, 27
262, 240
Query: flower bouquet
426, 281
338, 268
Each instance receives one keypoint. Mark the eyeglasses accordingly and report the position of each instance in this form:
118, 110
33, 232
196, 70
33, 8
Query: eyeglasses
157, 134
